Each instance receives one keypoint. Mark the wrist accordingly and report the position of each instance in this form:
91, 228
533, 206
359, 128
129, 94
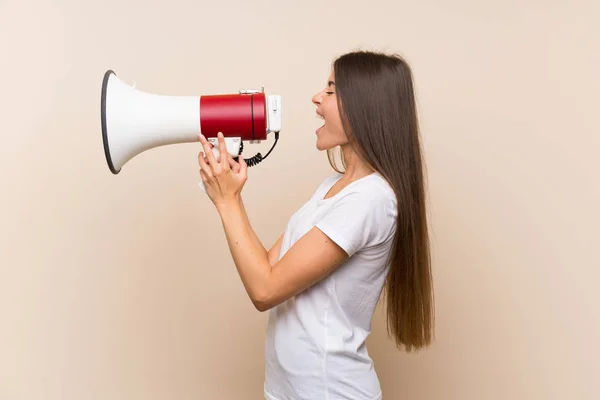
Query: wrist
229, 204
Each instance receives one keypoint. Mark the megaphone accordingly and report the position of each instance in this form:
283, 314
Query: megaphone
134, 121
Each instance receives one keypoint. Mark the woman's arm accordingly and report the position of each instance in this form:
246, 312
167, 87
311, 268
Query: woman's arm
255, 238
311, 258
273, 253
275, 250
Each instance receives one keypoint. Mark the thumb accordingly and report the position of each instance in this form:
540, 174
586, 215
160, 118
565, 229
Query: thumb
235, 167
243, 167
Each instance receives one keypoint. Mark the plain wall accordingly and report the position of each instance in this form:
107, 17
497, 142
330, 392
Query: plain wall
122, 287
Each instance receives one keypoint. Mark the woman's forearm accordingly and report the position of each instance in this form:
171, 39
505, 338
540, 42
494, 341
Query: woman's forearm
250, 258
255, 238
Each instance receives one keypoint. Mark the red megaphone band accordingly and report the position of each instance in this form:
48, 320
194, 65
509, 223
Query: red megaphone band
239, 115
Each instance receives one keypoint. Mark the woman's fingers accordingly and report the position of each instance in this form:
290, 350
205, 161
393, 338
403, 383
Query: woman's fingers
243, 167
235, 167
203, 176
223, 151
204, 167
208, 151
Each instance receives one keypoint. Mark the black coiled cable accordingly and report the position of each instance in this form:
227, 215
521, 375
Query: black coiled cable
252, 161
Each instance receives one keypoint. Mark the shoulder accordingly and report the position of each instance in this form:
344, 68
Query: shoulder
362, 214
374, 193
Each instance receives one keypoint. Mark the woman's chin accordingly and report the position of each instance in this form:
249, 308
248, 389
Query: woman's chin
319, 140
322, 142
319, 145
323, 146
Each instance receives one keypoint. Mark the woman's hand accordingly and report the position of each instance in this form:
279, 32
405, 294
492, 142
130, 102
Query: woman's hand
223, 179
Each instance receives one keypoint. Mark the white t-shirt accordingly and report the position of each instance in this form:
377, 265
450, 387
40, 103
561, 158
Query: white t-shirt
315, 347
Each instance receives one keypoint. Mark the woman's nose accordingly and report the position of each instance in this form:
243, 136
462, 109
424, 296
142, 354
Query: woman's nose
316, 99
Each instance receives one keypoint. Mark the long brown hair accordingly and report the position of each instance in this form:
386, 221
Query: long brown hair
376, 100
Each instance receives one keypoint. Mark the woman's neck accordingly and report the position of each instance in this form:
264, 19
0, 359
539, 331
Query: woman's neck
356, 168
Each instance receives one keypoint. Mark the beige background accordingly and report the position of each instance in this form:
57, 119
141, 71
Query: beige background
122, 287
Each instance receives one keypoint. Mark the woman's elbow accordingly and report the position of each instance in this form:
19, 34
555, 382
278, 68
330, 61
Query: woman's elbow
263, 301
261, 306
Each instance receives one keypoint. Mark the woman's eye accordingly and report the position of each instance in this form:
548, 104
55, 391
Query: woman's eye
329, 92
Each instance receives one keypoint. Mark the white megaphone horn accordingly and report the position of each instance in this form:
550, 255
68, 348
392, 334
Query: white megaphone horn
134, 121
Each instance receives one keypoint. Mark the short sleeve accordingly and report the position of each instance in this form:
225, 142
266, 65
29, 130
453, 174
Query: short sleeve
360, 219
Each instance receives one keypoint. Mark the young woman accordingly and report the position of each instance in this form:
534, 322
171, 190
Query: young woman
363, 230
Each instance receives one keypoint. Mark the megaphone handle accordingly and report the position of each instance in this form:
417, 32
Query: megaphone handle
232, 143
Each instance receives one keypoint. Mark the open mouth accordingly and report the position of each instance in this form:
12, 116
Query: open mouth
319, 116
